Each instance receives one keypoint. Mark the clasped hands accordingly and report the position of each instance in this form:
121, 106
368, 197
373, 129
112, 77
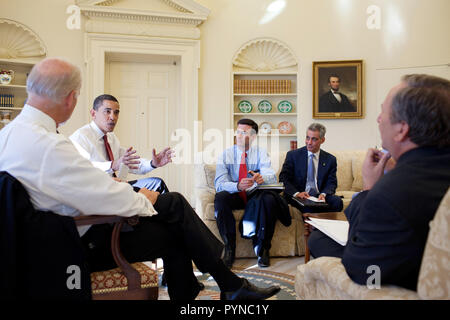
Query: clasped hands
246, 183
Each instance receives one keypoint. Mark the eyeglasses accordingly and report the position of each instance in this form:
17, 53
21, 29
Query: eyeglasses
243, 133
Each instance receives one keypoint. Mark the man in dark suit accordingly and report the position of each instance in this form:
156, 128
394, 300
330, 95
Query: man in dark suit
311, 171
389, 220
334, 100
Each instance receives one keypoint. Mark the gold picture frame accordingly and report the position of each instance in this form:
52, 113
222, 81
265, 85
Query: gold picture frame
347, 77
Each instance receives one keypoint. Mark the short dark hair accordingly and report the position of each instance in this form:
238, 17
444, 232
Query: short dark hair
334, 75
249, 122
99, 100
424, 104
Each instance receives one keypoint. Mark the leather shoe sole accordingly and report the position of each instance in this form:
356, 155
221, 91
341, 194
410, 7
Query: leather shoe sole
249, 291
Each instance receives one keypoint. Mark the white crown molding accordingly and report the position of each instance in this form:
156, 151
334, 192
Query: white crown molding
142, 29
191, 13
19, 41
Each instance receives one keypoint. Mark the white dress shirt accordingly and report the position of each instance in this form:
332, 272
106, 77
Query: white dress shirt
336, 95
56, 177
89, 142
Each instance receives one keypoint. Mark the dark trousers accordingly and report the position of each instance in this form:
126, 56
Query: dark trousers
320, 245
176, 234
335, 204
225, 203
151, 183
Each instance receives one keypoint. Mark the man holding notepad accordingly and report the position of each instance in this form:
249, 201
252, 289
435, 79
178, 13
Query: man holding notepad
309, 175
389, 220
240, 170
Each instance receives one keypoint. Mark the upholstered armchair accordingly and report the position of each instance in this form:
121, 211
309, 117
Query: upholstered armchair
136, 281
39, 248
326, 278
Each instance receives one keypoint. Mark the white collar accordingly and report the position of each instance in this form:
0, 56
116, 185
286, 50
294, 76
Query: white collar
316, 155
97, 130
41, 117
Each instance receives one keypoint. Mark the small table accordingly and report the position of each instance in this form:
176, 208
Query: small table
323, 215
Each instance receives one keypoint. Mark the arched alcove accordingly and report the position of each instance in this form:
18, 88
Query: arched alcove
17, 41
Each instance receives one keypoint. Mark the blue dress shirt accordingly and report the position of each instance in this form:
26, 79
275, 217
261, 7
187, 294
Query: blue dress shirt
227, 168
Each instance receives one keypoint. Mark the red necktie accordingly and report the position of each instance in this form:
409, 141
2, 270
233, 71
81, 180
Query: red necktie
243, 174
108, 148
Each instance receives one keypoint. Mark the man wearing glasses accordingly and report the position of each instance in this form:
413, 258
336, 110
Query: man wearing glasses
240, 169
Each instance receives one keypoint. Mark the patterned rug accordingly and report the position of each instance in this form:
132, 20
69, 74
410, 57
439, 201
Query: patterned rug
258, 277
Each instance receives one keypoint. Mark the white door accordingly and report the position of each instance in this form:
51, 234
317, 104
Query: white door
147, 94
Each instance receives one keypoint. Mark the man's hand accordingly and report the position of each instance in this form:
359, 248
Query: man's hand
321, 197
129, 158
117, 179
302, 195
373, 167
162, 158
245, 184
151, 195
257, 177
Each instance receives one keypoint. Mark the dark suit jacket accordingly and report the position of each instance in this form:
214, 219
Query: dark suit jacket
295, 170
389, 224
36, 248
329, 103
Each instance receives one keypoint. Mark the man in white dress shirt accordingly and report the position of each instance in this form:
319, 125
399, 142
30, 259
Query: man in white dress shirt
60, 180
102, 147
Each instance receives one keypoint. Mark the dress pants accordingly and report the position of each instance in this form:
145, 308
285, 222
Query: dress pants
318, 243
152, 183
335, 204
225, 203
176, 234
321, 245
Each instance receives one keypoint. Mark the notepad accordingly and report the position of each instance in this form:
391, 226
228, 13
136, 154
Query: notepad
335, 229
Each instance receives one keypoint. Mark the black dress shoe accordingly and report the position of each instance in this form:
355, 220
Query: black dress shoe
228, 257
250, 292
264, 258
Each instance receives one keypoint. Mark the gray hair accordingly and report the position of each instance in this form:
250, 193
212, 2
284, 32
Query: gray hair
54, 79
318, 127
424, 104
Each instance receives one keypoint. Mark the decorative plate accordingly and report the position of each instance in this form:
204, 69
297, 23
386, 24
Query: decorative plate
245, 106
264, 106
265, 127
285, 127
284, 106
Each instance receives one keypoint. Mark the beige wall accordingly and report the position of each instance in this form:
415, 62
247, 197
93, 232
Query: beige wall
48, 18
413, 33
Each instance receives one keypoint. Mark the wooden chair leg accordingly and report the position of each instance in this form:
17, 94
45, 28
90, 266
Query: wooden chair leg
306, 237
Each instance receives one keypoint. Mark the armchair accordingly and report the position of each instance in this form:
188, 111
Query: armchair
134, 281
37, 247
326, 278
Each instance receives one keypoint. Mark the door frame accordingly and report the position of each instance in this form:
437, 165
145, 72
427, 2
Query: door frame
187, 50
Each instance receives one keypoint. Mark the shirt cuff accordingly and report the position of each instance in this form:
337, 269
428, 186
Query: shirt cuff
295, 194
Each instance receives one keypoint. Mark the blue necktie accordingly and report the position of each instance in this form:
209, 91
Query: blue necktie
310, 181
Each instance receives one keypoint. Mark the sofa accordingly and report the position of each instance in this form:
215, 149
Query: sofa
326, 278
287, 241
